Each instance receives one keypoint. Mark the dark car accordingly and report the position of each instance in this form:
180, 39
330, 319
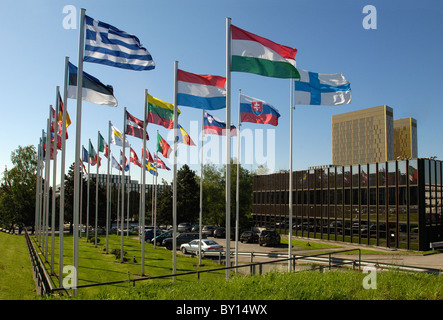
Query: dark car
180, 239
269, 238
249, 236
184, 227
220, 232
208, 230
159, 239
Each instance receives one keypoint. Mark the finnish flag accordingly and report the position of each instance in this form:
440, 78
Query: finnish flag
322, 89
108, 45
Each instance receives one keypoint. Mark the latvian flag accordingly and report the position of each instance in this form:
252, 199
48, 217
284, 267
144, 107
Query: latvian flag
134, 126
213, 125
201, 91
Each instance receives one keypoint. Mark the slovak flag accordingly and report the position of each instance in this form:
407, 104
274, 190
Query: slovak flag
213, 125
257, 111
201, 91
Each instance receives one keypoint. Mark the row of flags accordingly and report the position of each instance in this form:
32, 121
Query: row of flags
250, 53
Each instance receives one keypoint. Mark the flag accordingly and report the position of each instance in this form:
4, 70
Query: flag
201, 91
117, 137
322, 89
92, 154
115, 164
108, 45
148, 156
213, 125
93, 90
60, 114
134, 126
161, 112
159, 163
126, 161
255, 54
103, 146
151, 168
85, 155
133, 158
58, 129
183, 136
257, 111
163, 146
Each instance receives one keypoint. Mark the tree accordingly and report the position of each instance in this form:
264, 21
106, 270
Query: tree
188, 195
17, 196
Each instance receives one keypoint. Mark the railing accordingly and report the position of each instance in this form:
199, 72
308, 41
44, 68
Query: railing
43, 279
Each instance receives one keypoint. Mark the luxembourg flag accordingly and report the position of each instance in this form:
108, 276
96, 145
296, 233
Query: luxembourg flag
201, 91
257, 111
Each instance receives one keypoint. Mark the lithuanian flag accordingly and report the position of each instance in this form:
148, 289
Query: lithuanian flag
161, 112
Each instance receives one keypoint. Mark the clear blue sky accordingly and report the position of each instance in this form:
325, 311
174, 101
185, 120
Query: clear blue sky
397, 64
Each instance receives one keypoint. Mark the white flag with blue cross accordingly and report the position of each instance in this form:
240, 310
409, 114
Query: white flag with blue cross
322, 89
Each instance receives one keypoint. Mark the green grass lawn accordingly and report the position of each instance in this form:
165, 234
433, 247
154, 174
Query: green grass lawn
16, 281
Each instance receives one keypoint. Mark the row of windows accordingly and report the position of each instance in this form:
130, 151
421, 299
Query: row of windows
373, 196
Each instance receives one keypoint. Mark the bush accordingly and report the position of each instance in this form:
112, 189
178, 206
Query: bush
117, 253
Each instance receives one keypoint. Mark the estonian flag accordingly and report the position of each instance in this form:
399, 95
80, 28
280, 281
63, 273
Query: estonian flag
93, 90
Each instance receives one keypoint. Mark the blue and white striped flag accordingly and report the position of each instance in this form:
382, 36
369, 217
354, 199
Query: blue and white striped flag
322, 89
108, 45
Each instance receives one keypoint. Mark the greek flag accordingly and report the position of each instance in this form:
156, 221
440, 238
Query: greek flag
108, 45
322, 89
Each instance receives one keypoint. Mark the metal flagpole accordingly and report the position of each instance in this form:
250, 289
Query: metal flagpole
228, 145
237, 191
48, 173
122, 223
87, 194
174, 181
127, 202
37, 192
143, 195
77, 146
54, 180
201, 192
290, 180
155, 204
108, 190
62, 175
96, 188
81, 194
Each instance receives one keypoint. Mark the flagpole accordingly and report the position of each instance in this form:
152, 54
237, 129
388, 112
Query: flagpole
143, 195
123, 186
62, 175
37, 192
96, 187
77, 145
54, 180
155, 203
228, 145
48, 174
108, 189
290, 179
174, 181
237, 191
127, 202
87, 195
201, 192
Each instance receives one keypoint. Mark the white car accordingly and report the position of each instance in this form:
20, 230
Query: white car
207, 245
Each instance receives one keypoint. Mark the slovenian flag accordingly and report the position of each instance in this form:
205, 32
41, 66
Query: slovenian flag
322, 89
257, 111
213, 125
201, 91
93, 90
255, 54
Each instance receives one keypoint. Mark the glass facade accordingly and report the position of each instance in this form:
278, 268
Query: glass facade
396, 204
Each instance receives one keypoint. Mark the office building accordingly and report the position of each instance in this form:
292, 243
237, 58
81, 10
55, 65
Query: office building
405, 138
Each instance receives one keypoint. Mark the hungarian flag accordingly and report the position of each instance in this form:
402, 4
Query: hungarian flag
134, 126
133, 158
161, 112
163, 146
254, 54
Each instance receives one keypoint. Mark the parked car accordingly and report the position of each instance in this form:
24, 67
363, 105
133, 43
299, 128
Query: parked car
184, 227
181, 238
220, 232
207, 245
208, 230
249, 236
269, 238
160, 237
